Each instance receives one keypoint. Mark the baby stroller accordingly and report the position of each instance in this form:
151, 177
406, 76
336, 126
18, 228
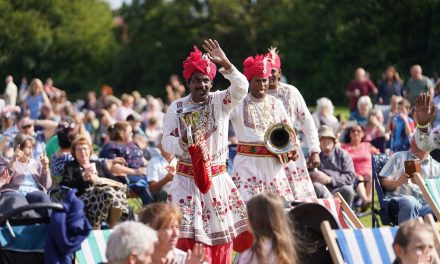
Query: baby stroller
31, 240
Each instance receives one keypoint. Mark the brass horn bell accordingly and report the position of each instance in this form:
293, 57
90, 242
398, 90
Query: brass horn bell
280, 139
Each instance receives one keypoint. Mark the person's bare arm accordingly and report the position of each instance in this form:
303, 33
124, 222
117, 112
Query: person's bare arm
48, 125
157, 185
391, 184
119, 169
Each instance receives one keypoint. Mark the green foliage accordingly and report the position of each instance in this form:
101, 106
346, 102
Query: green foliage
321, 42
70, 41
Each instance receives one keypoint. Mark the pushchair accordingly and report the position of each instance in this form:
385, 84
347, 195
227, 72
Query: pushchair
31, 240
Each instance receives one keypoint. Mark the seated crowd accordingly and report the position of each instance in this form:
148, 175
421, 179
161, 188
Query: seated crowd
109, 149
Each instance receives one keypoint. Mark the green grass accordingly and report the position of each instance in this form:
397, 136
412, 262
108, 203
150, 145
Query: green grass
342, 111
366, 220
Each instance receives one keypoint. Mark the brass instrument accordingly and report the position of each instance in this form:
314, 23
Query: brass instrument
190, 117
281, 139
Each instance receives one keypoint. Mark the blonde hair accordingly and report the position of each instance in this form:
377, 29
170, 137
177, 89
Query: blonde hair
273, 225
81, 140
159, 215
36, 83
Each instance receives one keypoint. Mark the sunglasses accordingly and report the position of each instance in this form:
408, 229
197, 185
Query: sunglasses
356, 131
26, 126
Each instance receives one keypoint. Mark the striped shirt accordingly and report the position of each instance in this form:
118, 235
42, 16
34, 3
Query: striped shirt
395, 167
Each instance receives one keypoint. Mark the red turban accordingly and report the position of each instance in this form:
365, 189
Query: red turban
259, 66
274, 58
196, 61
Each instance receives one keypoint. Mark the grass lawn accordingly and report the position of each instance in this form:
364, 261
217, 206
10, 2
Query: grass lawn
341, 111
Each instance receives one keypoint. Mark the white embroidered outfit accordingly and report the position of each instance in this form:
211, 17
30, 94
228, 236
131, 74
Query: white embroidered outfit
218, 216
256, 171
300, 118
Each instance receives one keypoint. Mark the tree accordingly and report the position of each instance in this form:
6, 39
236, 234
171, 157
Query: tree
70, 41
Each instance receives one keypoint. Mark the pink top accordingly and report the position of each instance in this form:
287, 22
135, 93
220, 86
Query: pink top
361, 156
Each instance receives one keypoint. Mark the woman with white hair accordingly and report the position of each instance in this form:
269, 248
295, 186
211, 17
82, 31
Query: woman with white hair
364, 105
324, 114
131, 242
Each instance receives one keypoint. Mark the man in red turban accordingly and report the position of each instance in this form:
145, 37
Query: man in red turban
301, 119
213, 212
256, 169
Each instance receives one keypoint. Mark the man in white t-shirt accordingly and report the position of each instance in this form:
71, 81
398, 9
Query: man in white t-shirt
161, 170
11, 91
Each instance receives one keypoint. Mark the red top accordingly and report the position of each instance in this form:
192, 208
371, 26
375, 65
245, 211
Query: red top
364, 88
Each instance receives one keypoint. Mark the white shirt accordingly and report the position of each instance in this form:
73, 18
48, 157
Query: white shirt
214, 119
157, 171
298, 112
11, 92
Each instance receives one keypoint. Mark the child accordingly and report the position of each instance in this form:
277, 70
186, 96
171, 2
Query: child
414, 243
271, 230
401, 126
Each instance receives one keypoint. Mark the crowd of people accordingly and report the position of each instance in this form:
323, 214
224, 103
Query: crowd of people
173, 156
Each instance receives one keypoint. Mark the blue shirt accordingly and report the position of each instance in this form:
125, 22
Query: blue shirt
399, 138
360, 119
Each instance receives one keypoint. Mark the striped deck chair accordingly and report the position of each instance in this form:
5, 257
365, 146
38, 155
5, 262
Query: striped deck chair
93, 248
431, 192
367, 245
429, 219
339, 209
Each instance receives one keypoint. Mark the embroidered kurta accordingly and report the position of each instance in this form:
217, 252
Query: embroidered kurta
428, 141
218, 216
253, 174
300, 118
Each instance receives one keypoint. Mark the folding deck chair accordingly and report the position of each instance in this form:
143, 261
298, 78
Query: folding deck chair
388, 208
367, 245
431, 192
339, 208
429, 219
93, 248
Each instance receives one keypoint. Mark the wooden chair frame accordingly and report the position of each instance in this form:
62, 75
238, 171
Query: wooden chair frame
348, 212
428, 197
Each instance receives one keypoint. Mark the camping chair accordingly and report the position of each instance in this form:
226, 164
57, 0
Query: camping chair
388, 209
93, 248
431, 192
22, 240
338, 207
367, 245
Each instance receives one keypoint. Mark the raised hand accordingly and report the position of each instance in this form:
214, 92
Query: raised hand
196, 255
215, 52
425, 111
44, 160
